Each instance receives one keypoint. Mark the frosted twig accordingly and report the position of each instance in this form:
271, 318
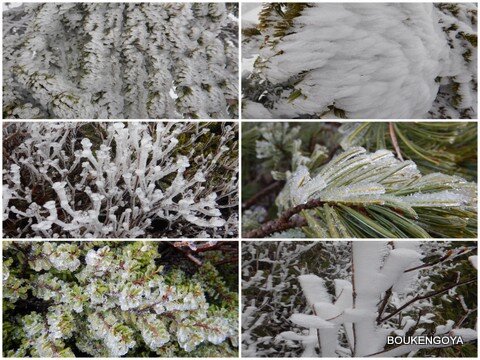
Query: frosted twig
283, 222
426, 296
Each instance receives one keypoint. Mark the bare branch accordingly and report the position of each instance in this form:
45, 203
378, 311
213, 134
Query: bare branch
393, 137
262, 193
426, 296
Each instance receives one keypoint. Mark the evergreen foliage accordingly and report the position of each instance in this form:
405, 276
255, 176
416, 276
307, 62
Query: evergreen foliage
116, 180
112, 299
449, 148
120, 61
330, 187
361, 61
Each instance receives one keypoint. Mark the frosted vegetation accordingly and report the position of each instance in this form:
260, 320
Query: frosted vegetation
363, 61
120, 180
119, 61
112, 299
313, 180
342, 299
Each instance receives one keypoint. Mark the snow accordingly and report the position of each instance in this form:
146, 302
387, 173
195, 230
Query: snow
252, 110
474, 261
465, 334
397, 262
327, 311
368, 258
250, 12
290, 335
314, 289
375, 61
247, 68
310, 321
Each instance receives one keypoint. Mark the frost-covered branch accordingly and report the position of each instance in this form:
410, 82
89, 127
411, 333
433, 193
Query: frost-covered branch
350, 323
361, 194
106, 180
121, 61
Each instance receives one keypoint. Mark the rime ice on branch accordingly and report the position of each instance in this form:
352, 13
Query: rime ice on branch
111, 299
121, 61
362, 61
108, 180
389, 294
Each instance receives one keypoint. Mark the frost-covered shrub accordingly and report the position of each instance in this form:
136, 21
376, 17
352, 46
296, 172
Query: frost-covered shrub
363, 61
390, 292
359, 292
120, 180
120, 61
111, 299
270, 291
309, 183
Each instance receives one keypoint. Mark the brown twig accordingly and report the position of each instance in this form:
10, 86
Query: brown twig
393, 137
284, 222
442, 259
262, 193
426, 296
226, 261
388, 293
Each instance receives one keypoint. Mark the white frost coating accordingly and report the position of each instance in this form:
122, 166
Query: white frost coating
314, 289
139, 61
310, 321
344, 300
290, 335
251, 110
327, 311
360, 312
119, 184
359, 59
474, 261
465, 334
368, 258
382, 60
406, 280
397, 262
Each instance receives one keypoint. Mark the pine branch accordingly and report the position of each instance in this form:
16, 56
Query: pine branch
284, 222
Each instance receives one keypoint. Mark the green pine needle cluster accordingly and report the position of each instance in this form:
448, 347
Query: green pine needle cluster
369, 180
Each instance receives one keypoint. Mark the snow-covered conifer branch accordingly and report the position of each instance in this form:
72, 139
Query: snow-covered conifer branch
363, 61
